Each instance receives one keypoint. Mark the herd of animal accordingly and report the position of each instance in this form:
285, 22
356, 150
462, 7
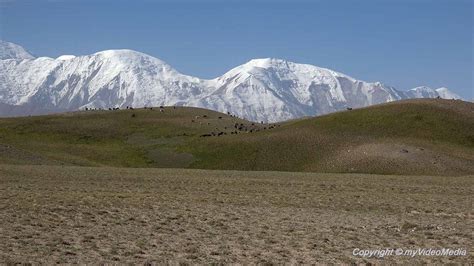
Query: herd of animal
239, 128
162, 108
236, 129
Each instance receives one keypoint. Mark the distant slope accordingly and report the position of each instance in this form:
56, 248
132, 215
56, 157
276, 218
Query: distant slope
10, 50
415, 136
425, 137
264, 89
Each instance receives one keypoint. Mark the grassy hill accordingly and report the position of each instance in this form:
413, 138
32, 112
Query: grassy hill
432, 137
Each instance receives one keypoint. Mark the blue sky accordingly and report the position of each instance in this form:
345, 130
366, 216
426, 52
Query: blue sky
404, 43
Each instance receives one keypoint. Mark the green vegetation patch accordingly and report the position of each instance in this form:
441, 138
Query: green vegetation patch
407, 137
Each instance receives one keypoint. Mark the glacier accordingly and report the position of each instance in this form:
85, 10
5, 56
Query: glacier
269, 90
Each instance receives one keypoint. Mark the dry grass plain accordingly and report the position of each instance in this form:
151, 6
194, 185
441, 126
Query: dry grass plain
70, 214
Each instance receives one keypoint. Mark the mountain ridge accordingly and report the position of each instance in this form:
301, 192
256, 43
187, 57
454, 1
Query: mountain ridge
264, 89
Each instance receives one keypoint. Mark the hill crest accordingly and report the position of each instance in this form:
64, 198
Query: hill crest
413, 137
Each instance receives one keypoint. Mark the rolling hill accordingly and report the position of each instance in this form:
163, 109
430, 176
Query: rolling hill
421, 137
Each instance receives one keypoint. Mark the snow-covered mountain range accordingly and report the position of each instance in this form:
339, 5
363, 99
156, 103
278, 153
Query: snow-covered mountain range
267, 89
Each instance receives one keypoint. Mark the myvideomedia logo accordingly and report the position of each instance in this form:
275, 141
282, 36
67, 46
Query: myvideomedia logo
380, 253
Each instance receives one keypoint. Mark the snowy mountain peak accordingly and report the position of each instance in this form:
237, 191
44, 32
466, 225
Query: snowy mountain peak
275, 63
128, 56
133, 60
265, 89
122, 53
66, 57
10, 50
427, 92
422, 88
445, 93
281, 66
266, 62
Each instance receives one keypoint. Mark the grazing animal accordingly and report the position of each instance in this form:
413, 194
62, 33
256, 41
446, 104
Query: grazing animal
161, 110
220, 117
349, 108
205, 116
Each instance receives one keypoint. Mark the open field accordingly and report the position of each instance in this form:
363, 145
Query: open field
88, 214
85, 186
414, 137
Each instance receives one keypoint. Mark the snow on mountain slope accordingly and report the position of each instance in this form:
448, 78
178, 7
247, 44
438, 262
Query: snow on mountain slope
275, 90
10, 50
268, 90
445, 93
427, 92
113, 78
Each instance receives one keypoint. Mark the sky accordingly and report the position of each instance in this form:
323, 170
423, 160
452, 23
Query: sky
402, 43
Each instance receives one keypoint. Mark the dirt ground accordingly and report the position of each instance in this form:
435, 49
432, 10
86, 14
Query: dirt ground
67, 214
